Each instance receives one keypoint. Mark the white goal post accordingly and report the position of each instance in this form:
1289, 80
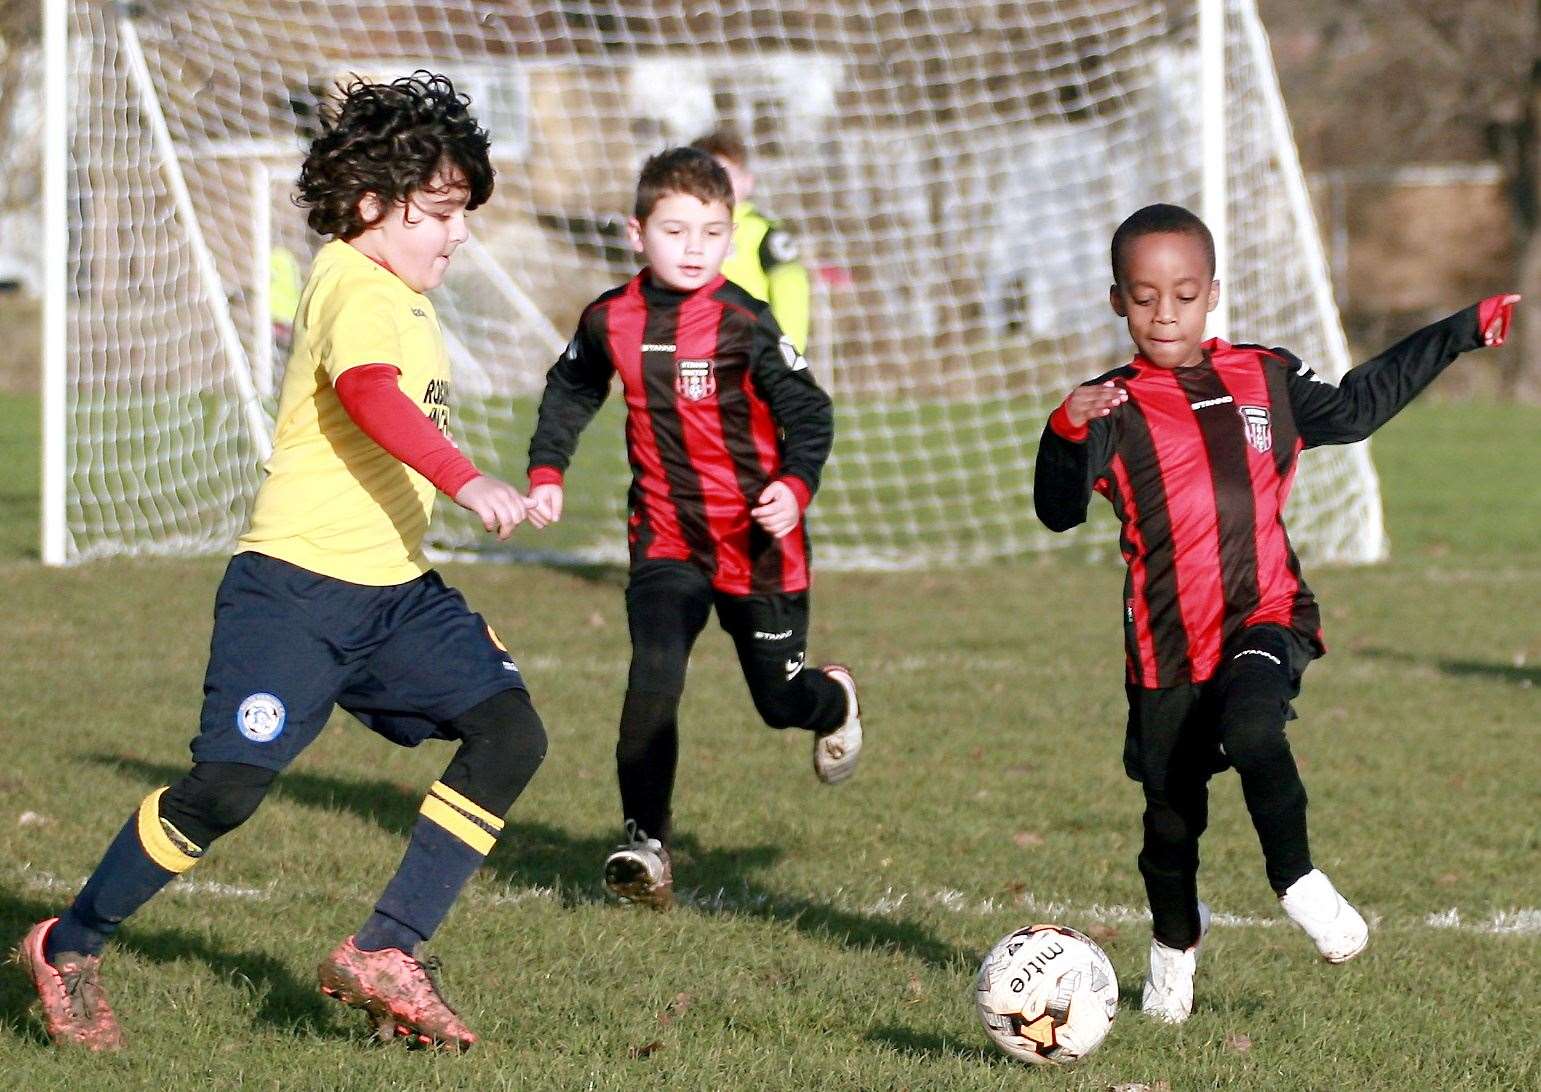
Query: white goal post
952, 169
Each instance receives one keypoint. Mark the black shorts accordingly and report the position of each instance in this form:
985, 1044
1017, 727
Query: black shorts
667, 606
289, 644
1269, 658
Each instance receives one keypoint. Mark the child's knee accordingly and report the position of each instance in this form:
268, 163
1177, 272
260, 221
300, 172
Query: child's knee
214, 798
504, 744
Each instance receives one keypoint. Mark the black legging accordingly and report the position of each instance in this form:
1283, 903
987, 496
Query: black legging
1243, 710
667, 606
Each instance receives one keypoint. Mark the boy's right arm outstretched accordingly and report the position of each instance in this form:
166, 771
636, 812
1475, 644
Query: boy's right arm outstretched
576, 386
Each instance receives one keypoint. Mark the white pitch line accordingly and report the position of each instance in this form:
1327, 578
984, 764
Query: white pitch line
1517, 922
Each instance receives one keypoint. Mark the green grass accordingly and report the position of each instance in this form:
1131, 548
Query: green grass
832, 934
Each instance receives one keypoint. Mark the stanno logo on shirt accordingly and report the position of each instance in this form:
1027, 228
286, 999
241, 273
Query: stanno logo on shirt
695, 379
1223, 400
656, 347
419, 312
1259, 429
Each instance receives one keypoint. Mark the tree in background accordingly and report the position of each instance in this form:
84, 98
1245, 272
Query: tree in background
1386, 83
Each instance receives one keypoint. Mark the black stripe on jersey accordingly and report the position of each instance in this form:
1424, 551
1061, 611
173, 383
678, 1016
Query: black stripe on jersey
735, 333
1305, 614
669, 436
1225, 446
1163, 612
1282, 417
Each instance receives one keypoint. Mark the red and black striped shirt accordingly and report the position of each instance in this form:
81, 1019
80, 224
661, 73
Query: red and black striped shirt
718, 405
1198, 464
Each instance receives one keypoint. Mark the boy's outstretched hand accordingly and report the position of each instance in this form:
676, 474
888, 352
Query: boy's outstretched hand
545, 505
1493, 317
499, 505
778, 512
1094, 400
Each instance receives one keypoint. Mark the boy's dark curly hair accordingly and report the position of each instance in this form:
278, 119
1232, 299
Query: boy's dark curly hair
389, 140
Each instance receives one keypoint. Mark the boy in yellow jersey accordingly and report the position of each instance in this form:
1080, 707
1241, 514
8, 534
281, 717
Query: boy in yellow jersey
764, 258
329, 600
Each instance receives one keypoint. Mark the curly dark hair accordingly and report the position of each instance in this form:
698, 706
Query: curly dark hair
389, 140
681, 170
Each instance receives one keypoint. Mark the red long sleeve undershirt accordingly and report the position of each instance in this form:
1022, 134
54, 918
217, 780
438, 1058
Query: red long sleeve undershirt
378, 406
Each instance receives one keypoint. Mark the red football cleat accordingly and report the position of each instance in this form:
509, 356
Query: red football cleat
75, 1009
399, 992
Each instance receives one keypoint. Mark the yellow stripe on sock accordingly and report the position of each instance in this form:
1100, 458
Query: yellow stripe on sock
156, 842
463, 804
478, 838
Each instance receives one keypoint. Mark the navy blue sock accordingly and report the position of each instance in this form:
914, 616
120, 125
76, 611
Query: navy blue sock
449, 841
128, 876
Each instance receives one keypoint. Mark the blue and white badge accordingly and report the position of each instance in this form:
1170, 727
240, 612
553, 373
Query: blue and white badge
260, 718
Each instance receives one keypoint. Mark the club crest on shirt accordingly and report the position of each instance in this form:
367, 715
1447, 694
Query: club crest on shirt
695, 379
1256, 421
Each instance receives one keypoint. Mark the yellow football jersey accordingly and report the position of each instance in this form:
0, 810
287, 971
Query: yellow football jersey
334, 501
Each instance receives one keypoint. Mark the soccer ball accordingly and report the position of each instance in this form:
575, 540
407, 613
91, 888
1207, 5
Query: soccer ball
1046, 994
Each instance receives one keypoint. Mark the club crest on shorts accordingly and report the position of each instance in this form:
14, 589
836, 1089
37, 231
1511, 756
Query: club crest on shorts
260, 718
695, 379
1259, 429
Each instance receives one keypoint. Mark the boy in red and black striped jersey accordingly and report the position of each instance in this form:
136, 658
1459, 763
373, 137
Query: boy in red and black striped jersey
727, 434
1194, 442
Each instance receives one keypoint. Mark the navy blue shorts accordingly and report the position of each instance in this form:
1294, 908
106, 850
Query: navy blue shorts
289, 644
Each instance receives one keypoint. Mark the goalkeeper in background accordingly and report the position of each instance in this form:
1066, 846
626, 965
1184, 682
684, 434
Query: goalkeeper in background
763, 261
329, 599
1194, 442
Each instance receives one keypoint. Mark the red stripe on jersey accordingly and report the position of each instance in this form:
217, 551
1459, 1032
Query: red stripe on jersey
701, 429
625, 321
1145, 673
1182, 460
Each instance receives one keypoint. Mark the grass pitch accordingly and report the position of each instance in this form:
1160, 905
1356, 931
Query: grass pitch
829, 936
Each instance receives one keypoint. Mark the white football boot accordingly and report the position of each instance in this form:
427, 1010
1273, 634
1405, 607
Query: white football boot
835, 752
1315, 905
639, 871
1168, 993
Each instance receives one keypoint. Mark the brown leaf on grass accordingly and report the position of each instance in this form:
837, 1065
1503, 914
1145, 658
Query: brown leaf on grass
914, 992
645, 1050
1101, 932
1027, 839
1238, 1043
1449, 879
1016, 888
675, 1009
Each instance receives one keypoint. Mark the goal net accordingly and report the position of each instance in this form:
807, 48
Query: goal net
953, 171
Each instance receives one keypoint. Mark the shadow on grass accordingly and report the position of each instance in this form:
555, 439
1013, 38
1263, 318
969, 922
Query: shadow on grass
539, 855
286, 1002
914, 1043
1514, 675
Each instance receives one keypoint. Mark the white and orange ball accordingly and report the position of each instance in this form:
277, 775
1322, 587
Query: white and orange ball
1046, 994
